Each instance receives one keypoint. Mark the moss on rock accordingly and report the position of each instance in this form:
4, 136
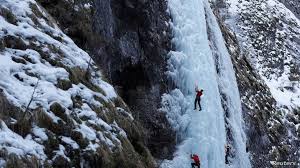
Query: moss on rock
64, 84
14, 42
8, 16
19, 60
78, 137
57, 109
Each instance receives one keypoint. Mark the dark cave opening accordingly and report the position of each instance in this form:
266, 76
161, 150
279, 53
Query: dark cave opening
129, 80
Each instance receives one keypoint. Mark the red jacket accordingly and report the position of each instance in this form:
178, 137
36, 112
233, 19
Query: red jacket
199, 93
196, 159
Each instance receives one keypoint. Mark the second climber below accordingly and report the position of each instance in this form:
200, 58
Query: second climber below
196, 161
199, 93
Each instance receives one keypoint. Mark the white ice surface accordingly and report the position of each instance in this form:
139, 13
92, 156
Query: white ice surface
193, 64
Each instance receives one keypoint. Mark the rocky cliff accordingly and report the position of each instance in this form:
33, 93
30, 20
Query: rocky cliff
130, 40
56, 109
262, 39
81, 81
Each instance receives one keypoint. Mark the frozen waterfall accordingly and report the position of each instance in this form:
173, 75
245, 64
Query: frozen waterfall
201, 59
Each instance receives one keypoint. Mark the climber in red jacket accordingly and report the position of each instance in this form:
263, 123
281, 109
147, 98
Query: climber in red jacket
196, 161
197, 99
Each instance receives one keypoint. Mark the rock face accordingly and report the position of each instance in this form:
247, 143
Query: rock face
293, 5
135, 61
252, 88
130, 41
56, 110
83, 121
270, 127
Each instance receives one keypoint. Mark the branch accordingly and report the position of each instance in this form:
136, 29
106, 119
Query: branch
89, 64
31, 99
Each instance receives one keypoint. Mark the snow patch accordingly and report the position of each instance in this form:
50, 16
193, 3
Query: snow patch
14, 143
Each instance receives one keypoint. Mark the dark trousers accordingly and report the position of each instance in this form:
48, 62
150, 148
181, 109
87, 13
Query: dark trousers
194, 164
197, 100
226, 156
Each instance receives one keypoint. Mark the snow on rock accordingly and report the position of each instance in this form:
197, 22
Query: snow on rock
54, 84
61, 153
40, 133
269, 34
87, 5
14, 143
71, 142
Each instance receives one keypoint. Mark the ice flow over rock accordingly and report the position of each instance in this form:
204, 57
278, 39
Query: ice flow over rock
201, 59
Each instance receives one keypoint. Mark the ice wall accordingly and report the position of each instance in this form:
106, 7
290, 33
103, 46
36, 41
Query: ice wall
201, 59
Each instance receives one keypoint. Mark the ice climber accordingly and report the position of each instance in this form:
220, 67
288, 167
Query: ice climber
196, 161
198, 98
227, 148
